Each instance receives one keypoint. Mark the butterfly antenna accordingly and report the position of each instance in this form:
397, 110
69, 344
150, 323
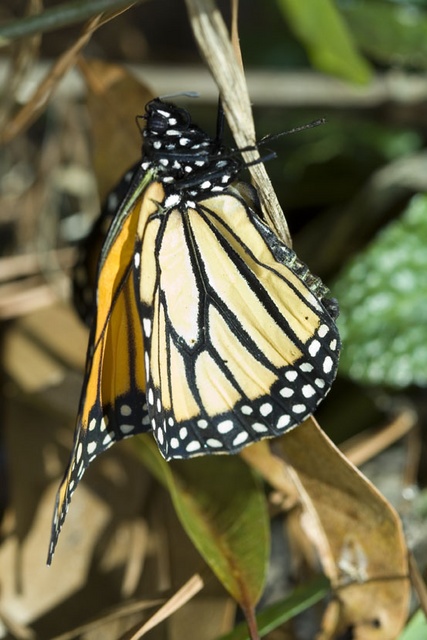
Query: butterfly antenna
180, 94
303, 127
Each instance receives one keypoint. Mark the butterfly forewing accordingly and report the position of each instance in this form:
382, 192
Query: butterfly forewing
113, 394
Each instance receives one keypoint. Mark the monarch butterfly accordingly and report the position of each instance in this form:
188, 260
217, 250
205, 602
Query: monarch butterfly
208, 330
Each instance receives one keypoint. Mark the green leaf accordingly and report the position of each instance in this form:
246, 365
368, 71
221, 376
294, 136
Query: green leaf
391, 33
280, 612
221, 505
382, 295
416, 628
319, 26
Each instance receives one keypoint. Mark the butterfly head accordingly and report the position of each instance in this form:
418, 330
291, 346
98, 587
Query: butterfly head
163, 117
185, 158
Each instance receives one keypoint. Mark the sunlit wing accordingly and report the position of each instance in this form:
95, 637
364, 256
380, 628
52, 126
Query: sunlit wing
239, 348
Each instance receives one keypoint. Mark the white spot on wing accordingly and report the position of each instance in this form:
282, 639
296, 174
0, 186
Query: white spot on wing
240, 438
323, 330
91, 447
213, 443
306, 367
150, 396
328, 364
193, 446
79, 452
283, 422
259, 427
126, 429
308, 391
225, 426
286, 392
291, 375
299, 408
146, 324
314, 348
265, 409
125, 410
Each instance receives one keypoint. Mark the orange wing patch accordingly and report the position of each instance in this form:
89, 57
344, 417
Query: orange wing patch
113, 395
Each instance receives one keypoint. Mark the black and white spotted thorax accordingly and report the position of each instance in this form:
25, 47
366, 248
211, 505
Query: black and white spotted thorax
187, 161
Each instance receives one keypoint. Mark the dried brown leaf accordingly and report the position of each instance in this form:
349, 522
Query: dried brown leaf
356, 531
37, 103
114, 98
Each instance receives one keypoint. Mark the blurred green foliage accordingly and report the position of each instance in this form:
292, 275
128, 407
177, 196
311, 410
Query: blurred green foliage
383, 301
416, 629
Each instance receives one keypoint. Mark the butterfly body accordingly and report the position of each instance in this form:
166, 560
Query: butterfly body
208, 330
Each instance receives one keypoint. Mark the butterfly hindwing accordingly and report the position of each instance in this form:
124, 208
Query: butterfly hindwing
239, 348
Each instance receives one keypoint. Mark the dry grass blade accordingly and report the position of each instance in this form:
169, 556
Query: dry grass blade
366, 446
37, 103
39, 100
272, 468
52, 18
215, 45
29, 264
21, 298
16, 630
23, 56
181, 597
125, 610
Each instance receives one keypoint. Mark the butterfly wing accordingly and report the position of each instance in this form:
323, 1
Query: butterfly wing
113, 394
85, 271
200, 311
239, 348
